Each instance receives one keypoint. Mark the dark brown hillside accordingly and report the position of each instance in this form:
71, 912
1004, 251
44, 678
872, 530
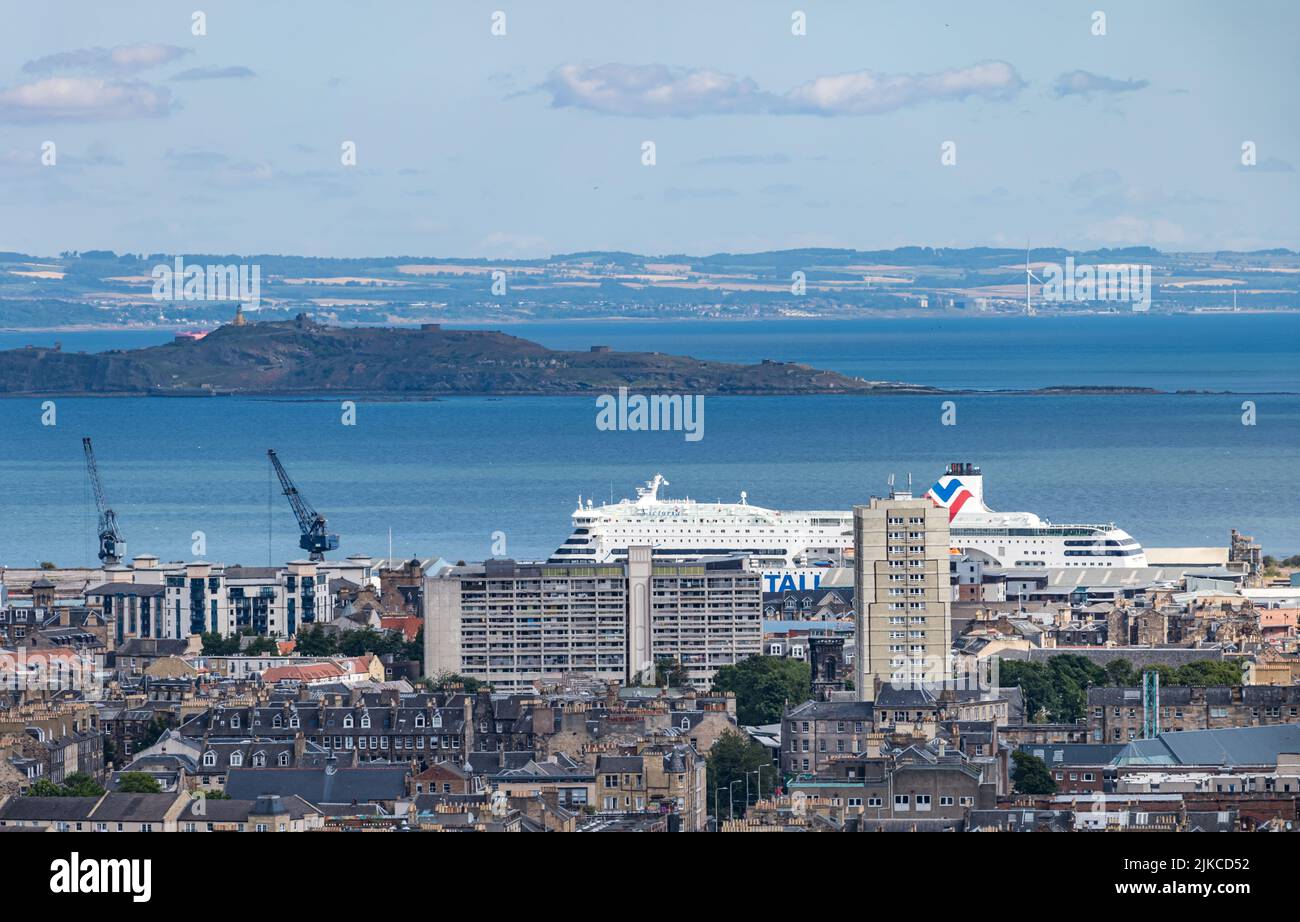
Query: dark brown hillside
302, 357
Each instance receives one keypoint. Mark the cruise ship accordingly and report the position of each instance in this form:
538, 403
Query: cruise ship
793, 548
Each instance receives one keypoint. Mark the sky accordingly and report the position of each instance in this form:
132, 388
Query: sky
533, 142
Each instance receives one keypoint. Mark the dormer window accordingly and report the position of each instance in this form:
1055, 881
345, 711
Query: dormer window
236, 759
347, 721
293, 721
234, 720
276, 721
437, 719
419, 720
259, 760
365, 720
209, 759
284, 759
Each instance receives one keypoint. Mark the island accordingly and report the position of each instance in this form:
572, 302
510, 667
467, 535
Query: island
301, 357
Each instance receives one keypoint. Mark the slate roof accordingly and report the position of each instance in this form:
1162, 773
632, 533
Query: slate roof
362, 784
133, 808
1138, 656
151, 646
1073, 753
1218, 695
832, 710
494, 760
238, 811
66, 809
135, 589
618, 764
1227, 747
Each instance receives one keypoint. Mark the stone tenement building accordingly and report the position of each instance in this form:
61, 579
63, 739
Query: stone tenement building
579, 726
658, 772
384, 726
1115, 715
930, 782
816, 733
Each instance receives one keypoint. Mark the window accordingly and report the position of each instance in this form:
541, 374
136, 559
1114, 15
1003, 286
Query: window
902, 802
236, 759
209, 758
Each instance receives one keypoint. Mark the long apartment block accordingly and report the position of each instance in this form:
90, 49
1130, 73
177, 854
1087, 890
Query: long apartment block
517, 624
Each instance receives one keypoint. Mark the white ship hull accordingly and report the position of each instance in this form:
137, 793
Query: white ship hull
793, 549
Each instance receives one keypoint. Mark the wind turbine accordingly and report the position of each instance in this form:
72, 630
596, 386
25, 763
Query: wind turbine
1029, 277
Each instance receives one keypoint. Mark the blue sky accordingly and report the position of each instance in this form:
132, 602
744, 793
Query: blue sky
527, 144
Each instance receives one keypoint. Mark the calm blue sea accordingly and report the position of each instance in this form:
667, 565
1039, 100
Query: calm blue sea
445, 475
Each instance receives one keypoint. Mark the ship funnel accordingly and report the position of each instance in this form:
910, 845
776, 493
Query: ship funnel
960, 489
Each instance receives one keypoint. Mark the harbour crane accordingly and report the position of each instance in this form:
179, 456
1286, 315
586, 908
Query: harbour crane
315, 539
112, 546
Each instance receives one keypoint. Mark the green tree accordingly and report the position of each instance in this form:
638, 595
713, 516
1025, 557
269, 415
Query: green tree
1029, 774
1208, 672
216, 644
138, 783
368, 640
152, 731
669, 672
1055, 691
262, 646
78, 784
46, 788
415, 649
733, 754
444, 680
312, 640
1120, 673
763, 686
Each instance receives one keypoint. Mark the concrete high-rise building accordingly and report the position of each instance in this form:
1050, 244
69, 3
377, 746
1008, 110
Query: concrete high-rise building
516, 625
903, 611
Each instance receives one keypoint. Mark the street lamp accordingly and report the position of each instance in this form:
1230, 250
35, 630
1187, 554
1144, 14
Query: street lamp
758, 788
731, 797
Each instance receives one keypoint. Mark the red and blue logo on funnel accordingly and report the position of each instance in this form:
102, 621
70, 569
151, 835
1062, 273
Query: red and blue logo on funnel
952, 494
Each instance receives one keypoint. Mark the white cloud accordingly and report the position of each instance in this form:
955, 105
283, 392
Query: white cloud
655, 90
118, 60
865, 92
1085, 83
82, 98
214, 73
